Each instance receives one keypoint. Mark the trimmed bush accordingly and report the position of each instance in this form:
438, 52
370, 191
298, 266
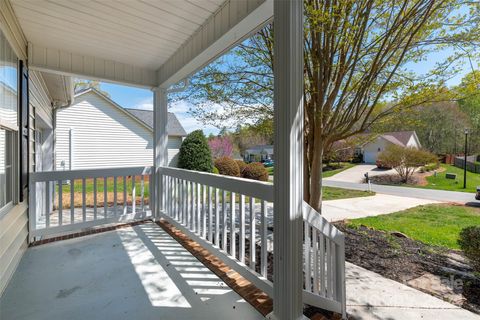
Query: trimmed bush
227, 166
255, 171
195, 153
215, 170
241, 165
469, 241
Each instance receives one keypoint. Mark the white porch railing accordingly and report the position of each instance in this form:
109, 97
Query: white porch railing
223, 213
62, 213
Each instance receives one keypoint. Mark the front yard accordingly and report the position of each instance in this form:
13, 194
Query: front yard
418, 247
436, 224
440, 182
332, 193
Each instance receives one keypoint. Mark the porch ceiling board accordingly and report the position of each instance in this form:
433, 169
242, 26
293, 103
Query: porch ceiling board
230, 24
141, 32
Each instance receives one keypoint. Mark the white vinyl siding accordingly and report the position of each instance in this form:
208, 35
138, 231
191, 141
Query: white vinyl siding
103, 136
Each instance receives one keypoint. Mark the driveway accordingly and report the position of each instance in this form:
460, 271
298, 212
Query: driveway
356, 173
373, 297
336, 210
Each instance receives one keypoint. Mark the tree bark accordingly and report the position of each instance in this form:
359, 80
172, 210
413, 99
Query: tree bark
316, 177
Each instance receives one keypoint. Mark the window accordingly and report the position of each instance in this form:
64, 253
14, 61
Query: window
6, 168
8, 122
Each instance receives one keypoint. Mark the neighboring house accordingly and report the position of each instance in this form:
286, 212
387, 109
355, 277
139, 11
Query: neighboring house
379, 143
258, 153
96, 132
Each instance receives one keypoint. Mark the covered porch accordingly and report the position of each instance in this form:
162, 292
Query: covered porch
264, 232
137, 272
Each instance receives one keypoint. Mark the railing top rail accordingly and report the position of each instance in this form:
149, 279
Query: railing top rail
316, 220
252, 188
89, 173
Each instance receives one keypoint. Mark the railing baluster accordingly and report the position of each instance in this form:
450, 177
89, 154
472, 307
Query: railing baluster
94, 198
306, 254
105, 198
125, 199
60, 202
329, 269
217, 218
232, 224
134, 195
264, 240
322, 265
84, 200
204, 211
210, 214
47, 214
192, 207
241, 251
224, 223
315, 260
187, 204
115, 196
72, 201
252, 234
142, 193
199, 211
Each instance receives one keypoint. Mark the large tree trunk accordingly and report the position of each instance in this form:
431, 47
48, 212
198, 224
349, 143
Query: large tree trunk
316, 177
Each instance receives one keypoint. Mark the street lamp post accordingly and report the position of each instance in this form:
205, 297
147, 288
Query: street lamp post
465, 161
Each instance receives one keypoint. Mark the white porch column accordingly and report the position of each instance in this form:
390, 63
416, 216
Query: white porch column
288, 182
160, 137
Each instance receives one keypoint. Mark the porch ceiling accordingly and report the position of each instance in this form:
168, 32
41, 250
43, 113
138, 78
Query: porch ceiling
145, 32
140, 42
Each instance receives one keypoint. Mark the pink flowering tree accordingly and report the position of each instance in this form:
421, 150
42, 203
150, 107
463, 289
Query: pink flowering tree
221, 147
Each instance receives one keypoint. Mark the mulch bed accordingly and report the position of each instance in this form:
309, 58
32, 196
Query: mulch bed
399, 258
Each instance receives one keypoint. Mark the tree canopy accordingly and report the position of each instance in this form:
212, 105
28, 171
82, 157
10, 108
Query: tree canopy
358, 57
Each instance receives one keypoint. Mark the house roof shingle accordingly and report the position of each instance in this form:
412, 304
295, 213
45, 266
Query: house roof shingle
401, 136
174, 128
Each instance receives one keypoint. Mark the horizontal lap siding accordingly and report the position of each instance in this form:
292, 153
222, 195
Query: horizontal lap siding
13, 242
14, 224
103, 136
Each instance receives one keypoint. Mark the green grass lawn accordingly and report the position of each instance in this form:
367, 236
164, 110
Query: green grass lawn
270, 171
441, 183
436, 224
345, 166
100, 186
326, 174
332, 193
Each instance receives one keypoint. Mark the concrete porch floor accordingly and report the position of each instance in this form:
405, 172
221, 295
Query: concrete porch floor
138, 272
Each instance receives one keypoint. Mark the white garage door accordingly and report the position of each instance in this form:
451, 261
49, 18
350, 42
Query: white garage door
370, 157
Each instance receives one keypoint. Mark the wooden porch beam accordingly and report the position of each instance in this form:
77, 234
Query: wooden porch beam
288, 182
67, 63
160, 154
232, 23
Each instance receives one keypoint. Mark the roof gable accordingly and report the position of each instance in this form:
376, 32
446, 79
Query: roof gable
144, 117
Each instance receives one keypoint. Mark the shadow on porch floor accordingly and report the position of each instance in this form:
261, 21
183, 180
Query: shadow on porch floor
138, 272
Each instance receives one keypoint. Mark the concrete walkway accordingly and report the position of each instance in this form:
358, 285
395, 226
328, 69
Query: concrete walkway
353, 208
373, 297
356, 173
420, 193
138, 272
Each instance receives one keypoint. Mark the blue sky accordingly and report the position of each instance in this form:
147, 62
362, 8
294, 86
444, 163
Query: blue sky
131, 97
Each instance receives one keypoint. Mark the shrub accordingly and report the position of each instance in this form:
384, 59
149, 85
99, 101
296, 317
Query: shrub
227, 166
469, 241
255, 171
430, 167
405, 159
215, 170
221, 147
241, 165
195, 154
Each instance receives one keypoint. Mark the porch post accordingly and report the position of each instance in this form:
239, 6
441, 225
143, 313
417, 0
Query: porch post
288, 182
160, 137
